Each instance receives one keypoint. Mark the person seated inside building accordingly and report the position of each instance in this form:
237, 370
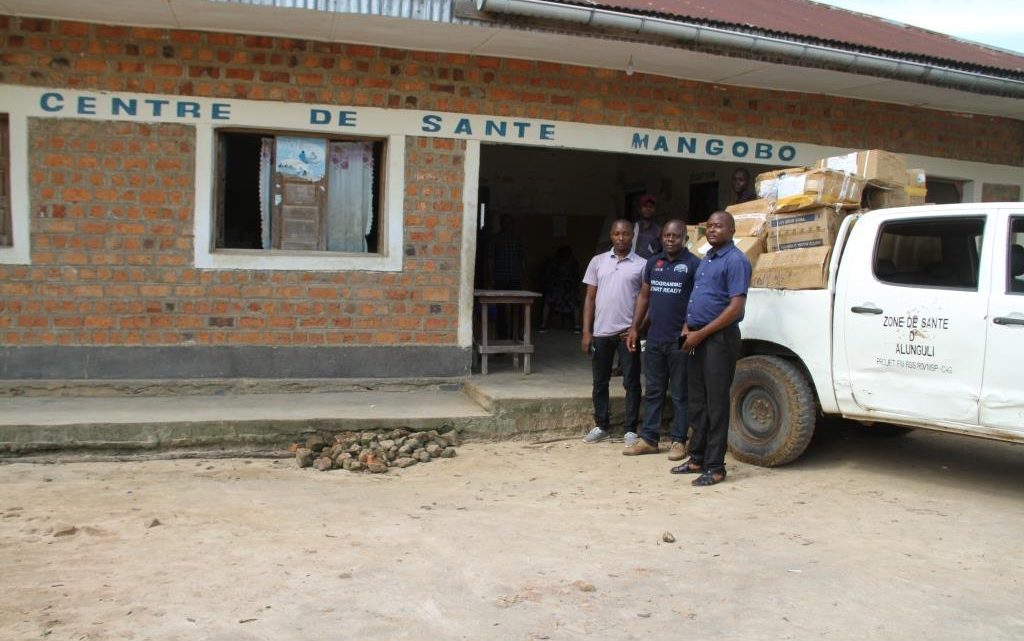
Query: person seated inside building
561, 289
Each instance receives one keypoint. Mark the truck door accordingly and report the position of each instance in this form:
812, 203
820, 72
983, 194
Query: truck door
914, 324
1002, 393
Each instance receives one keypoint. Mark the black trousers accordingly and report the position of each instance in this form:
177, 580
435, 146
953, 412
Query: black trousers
603, 351
711, 370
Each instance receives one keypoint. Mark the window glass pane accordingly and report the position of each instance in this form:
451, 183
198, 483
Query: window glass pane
930, 253
297, 193
1015, 271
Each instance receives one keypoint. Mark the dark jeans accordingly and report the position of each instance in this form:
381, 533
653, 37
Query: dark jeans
711, 370
664, 371
603, 352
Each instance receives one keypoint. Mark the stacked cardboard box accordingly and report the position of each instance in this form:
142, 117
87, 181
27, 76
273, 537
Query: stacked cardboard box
752, 226
802, 223
818, 188
805, 268
807, 207
912, 192
807, 228
874, 166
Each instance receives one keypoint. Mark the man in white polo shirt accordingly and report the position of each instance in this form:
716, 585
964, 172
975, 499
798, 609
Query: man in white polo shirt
613, 281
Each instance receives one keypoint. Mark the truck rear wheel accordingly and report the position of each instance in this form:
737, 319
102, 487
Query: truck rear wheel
772, 411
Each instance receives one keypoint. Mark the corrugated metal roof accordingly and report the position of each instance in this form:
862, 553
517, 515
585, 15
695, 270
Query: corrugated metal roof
825, 24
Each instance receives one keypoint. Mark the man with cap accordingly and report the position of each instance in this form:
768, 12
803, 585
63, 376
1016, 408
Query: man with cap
646, 232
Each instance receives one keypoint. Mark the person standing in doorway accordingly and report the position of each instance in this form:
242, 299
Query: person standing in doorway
712, 339
668, 281
613, 282
646, 232
741, 187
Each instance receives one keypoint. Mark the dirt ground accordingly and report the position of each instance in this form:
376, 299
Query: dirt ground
863, 538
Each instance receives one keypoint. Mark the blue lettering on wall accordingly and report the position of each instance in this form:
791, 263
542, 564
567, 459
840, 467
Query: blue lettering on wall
431, 124
129, 107
547, 132
496, 128
319, 117
188, 109
464, 127
221, 111
689, 146
158, 105
87, 105
324, 117
346, 119
51, 102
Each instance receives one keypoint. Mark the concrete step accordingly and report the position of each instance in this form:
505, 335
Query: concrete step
38, 417
33, 424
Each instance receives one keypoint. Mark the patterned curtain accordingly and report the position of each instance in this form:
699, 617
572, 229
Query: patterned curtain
349, 196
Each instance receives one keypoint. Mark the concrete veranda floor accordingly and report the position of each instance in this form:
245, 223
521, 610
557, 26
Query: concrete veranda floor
554, 398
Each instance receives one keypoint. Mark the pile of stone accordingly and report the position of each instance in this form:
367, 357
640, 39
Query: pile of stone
375, 451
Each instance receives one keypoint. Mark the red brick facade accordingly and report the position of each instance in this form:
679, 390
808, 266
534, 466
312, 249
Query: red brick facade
112, 202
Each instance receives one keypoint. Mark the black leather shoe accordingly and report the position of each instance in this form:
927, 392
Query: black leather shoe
687, 467
709, 478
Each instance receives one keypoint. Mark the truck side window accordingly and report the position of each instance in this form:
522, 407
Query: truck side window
1015, 257
937, 252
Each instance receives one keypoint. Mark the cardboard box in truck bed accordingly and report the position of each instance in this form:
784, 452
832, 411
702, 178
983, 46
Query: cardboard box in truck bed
816, 188
795, 269
875, 166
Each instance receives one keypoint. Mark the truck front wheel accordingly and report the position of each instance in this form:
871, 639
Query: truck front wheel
772, 413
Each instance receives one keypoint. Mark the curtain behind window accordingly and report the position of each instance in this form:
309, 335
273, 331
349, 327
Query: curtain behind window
266, 173
349, 196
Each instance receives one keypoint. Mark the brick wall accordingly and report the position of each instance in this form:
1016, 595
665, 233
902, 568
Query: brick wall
137, 59
112, 202
112, 255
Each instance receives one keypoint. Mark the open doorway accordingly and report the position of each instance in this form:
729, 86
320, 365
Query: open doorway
560, 200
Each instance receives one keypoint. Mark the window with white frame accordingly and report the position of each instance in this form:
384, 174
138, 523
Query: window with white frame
297, 192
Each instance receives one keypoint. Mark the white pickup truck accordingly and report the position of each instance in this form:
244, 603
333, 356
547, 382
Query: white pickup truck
921, 326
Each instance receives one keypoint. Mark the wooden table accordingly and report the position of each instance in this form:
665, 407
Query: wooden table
485, 346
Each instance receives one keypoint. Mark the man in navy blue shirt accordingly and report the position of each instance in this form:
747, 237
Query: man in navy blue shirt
668, 281
712, 338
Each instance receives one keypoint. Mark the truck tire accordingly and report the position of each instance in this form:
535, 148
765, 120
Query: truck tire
772, 411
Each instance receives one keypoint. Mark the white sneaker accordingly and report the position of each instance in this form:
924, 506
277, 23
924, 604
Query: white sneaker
630, 438
595, 435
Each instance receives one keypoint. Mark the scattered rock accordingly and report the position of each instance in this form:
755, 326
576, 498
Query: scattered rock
154, 523
304, 457
315, 442
68, 531
667, 537
374, 451
584, 586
